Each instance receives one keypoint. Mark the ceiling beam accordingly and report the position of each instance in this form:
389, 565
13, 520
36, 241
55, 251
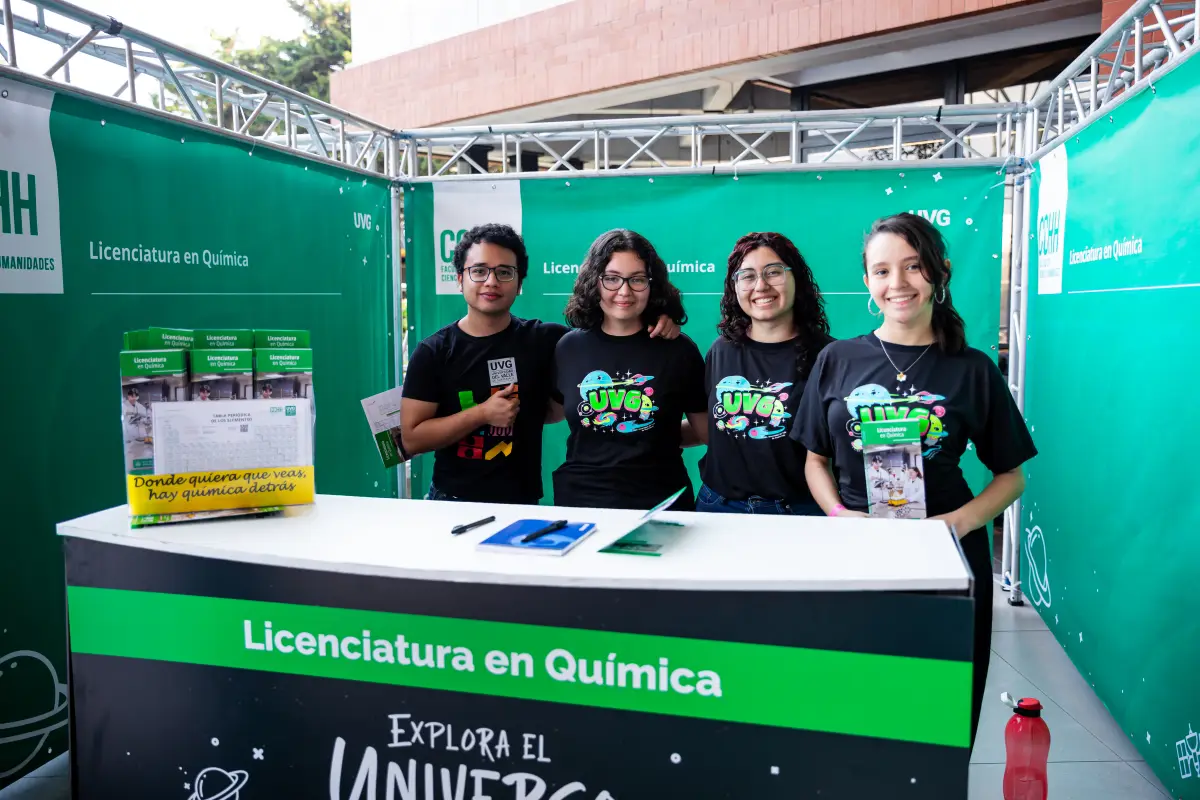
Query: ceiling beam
718, 98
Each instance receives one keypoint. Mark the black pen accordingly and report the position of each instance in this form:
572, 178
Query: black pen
551, 528
457, 529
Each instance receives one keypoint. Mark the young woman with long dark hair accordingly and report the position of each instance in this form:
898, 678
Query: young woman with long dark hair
772, 326
624, 394
917, 364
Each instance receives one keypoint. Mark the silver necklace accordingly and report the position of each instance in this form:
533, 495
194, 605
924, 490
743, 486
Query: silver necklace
902, 374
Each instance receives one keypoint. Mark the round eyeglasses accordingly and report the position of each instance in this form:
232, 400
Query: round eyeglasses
613, 282
480, 273
772, 275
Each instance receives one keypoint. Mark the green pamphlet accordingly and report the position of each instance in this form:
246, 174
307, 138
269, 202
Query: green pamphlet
894, 468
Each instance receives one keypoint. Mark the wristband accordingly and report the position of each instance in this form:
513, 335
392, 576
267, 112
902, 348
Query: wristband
839, 508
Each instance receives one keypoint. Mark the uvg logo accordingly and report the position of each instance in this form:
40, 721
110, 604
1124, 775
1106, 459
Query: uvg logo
17, 203
938, 216
362, 221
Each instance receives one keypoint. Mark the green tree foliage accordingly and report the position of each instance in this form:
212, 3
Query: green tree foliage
305, 63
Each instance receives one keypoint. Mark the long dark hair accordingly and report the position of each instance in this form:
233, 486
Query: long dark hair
949, 331
808, 312
583, 309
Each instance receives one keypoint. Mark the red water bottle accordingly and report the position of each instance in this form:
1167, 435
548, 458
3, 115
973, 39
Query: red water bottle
1027, 744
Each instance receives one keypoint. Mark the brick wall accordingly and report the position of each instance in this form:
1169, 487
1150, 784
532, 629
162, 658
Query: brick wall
1113, 9
591, 45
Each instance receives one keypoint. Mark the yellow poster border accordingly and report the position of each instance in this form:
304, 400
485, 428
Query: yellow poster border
222, 490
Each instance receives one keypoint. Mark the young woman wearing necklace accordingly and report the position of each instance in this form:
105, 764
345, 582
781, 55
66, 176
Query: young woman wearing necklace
917, 364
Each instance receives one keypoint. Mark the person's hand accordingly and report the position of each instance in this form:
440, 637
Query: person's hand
665, 327
500, 410
845, 512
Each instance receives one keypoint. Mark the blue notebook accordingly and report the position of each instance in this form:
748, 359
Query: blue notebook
552, 544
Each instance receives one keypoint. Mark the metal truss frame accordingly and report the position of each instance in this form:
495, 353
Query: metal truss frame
1116, 64
821, 134
208, 92
1120, 64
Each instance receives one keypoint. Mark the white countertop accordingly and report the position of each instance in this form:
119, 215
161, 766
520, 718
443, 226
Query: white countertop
411, 539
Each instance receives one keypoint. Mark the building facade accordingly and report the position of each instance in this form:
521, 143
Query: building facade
487, 61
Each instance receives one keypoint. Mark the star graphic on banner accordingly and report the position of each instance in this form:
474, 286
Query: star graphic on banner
937, 176
888, 190
364, 261
1147, 737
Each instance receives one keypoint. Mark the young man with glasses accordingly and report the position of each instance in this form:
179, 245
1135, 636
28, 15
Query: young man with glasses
477, 392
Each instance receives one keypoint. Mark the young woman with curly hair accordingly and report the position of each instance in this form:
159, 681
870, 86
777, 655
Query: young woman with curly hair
772, 327
623, 393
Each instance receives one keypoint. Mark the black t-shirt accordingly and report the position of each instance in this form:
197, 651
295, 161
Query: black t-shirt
624, 399
964, 397
456, 371
754, 389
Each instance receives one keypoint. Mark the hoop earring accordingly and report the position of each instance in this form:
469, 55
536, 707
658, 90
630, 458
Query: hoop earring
942, 299
869, 311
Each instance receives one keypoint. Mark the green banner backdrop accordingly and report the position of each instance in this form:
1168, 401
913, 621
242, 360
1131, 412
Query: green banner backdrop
693, 221
112, 220
1111, 552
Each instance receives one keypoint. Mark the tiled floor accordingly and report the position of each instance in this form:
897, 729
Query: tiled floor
49, 782
1091, 759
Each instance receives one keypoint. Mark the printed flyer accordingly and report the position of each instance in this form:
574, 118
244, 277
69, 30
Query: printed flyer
894, 468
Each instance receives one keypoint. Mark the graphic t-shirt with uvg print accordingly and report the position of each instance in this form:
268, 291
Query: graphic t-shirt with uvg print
962, 401
754, 389
458, 371
624, 398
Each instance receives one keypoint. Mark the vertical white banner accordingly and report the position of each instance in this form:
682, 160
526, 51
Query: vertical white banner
1052, 220
458, 207
30, 244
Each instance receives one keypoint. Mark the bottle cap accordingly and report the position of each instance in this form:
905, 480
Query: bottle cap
1029, 707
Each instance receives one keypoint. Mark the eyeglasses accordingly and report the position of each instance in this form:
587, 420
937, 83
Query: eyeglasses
773, 274
480, 273
613, 282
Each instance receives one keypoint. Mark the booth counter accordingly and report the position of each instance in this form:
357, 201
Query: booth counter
355, 648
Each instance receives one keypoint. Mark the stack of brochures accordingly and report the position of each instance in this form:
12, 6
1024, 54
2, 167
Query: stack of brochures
187, 407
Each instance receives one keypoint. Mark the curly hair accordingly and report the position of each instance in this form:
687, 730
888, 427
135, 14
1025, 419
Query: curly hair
499, 235
583, 309
949, 330
808, 311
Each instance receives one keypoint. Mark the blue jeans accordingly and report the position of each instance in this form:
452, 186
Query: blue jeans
435, 493
710, 501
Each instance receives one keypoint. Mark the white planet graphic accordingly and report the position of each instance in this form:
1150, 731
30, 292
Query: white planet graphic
871, 394
734, 383
29, 674
1037, 582
214, 783
598, 379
